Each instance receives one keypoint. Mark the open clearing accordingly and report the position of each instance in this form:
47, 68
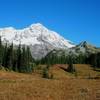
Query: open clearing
64, 86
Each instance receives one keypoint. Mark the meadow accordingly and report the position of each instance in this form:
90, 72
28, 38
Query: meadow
85, 85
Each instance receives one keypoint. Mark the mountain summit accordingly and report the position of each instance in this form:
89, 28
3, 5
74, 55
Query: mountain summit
40, 39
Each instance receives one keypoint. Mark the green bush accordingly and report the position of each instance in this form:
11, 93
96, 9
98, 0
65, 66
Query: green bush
45, 73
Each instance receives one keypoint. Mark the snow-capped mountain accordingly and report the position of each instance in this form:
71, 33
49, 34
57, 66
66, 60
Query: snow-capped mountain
40, 39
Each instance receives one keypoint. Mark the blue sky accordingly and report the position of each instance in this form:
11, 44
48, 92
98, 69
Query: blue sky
76, 20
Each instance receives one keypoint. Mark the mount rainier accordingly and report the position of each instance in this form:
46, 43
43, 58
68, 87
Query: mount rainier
40, 39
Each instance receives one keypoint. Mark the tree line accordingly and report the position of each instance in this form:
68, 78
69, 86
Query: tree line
92, 59
15, 58
63, 59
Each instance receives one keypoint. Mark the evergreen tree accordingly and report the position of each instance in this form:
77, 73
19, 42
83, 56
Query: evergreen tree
70, 68
26, 59
29, 59
98, 60
15, 57
0, 52
23, 60
4, 56
45, 73
9, 57
19, 56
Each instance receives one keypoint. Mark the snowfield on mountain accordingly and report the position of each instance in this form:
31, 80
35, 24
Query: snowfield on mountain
40, 39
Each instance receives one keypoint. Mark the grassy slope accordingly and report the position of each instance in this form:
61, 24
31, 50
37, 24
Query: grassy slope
64, 86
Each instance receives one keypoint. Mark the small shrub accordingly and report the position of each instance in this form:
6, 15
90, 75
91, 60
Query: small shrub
71, 68
45, 73
51, 76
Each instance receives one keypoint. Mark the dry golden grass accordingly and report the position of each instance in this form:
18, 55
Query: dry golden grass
64, 86
85, 71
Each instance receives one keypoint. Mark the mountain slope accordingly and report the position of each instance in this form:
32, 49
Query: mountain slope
39, 38
83, 48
